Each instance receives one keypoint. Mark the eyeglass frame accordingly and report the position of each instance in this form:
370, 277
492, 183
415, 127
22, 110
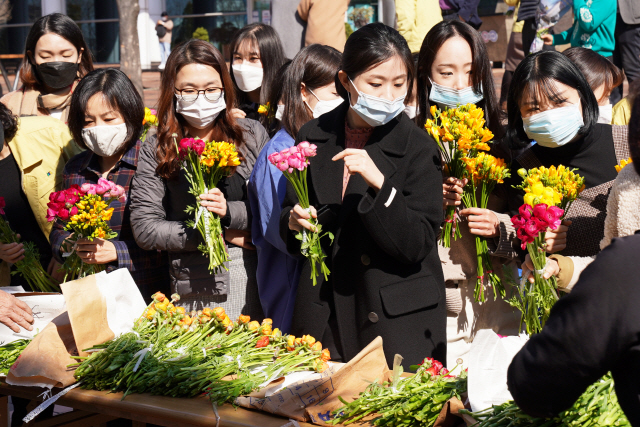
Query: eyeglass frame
204, 91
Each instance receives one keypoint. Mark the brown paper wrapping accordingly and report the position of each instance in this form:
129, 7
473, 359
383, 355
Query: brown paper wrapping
44, 361
88, 313
313, 400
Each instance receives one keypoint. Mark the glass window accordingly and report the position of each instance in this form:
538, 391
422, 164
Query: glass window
98, 20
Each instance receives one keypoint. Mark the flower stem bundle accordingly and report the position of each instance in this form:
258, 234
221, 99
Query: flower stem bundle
460, 133
205, 163
548, 195
597, 407
174, 353
85, 212
29, 267
9, 353
413, 401
483, 172
293, 163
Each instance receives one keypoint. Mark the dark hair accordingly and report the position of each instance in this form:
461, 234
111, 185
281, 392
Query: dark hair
63, 26
164, 13
597, 69
118, 92
536, 75
169, 122
369, 46
9, 123
277, 87
316, 66
634, 134
481, 76
271, 53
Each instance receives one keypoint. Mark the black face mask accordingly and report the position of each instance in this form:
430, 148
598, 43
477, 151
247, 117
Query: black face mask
57, 75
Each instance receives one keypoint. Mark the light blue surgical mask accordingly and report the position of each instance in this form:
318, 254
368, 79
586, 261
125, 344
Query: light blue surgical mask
452, 98
554, 128
376, 111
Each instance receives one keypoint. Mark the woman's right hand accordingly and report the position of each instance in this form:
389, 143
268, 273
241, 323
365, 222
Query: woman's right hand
238, 113
12, 252
556, 240
547, 39
299, 218
452, 189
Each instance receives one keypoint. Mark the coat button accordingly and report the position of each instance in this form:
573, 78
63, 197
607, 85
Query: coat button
365, 259
373, 317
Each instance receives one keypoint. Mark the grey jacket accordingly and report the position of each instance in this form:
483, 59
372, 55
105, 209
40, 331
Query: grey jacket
629, 10
158, 215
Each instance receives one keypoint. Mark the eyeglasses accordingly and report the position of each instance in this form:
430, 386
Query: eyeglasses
211, 94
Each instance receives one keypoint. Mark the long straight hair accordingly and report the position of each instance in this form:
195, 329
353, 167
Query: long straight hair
316, 66
269, 47
481, 76
170, 122
63, 26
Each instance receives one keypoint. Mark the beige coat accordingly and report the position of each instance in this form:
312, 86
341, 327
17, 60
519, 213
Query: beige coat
325, 22
465, 316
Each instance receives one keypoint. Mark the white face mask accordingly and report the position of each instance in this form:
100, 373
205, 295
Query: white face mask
106, 140
248, 77
279, 111
202, 112
411, 111
374, 110
605, 114
323, 107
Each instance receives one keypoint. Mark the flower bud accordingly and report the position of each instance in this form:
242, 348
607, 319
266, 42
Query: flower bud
253, 326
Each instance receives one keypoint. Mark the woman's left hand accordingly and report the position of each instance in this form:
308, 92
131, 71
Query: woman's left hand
214, 202
358, 161
482, 222
96, 251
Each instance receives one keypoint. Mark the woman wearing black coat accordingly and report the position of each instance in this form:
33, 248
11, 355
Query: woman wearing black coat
376, 185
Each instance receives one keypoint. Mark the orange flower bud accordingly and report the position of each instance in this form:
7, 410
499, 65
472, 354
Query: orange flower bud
266, 329
290, 341
207, 312
150, 312
326, 355
298, 342
181, 310
243, 319
162, 306
267, 321
277, 333
220, 313
253, 326
158, 296
204, 319
308, 339
186, 320
226, 322
317, 346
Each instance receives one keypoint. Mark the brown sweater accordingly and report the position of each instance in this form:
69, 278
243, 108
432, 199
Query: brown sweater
325, 22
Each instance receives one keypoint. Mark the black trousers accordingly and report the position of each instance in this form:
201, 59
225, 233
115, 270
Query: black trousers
626, 54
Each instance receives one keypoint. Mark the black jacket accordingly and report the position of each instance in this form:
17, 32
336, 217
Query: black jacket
593, 330
386, 278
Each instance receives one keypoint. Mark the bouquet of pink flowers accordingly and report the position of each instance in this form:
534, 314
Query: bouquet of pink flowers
29, 267
293, 163
85, 212
535, 300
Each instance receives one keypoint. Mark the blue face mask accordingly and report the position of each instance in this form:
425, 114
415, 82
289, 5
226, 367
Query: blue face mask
376, 111
451, 98
554, 128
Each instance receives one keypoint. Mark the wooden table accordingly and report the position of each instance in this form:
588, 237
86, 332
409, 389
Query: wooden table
95, 408
4, 71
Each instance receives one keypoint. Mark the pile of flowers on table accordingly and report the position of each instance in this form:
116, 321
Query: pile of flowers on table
174, 353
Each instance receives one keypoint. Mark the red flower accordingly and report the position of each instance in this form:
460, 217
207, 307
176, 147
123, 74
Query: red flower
63, 214
199, 146
518, 221
531, 228
2, 205
539, 210
525, 211
262, 342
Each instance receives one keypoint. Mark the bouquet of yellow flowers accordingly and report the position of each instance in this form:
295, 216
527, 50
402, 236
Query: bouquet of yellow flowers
86, 214
150, 119
483, 172
205, 163
622, 164
460, 133
549, 193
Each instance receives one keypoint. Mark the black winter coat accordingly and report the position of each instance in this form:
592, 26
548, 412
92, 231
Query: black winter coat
386, 277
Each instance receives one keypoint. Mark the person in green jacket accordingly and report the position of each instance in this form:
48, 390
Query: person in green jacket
593, 27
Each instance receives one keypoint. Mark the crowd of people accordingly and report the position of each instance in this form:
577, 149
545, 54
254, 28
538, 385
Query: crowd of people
377, 183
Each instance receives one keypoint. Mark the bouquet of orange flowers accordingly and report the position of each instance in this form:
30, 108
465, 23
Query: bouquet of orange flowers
205, 163
150, 119
86, 213
460, 133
